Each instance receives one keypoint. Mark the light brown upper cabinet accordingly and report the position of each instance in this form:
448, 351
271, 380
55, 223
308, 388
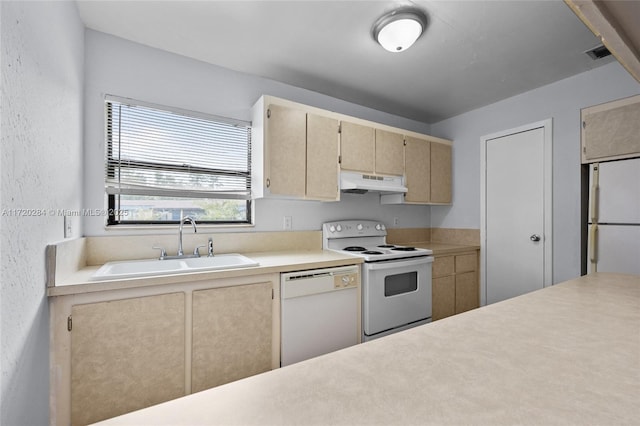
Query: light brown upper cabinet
295, 153
440, 162
427, 169
322, 158
611, 130
417, 170
286, 148
357, 147
298, 151
369, 150
389, 153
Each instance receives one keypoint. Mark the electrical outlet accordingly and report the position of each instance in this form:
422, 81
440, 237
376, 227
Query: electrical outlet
287, 223
396, 221
68, 228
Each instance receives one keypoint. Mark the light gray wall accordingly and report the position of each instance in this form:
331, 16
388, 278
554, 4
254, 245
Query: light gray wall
41, 168
560, 101
118, 67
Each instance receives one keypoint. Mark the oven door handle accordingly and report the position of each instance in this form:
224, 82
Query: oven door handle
392, 264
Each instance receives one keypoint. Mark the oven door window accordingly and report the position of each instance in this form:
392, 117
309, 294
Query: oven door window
400, 283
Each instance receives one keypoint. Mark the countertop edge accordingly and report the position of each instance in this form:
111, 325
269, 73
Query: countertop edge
269, 263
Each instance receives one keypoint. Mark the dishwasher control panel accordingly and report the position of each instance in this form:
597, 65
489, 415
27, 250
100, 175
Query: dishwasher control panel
345, 281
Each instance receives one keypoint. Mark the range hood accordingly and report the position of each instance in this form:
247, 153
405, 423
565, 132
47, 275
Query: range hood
360, 183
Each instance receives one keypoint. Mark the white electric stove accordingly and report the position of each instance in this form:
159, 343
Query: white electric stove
396, 280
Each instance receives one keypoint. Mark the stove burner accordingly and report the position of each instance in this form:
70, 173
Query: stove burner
372, 252
354, 248
386, 246
404, 249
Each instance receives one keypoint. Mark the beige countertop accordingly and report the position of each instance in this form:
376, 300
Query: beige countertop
567, 354
269, 262
442, 248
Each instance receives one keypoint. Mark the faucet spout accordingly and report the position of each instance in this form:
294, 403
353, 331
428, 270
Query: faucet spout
182, 222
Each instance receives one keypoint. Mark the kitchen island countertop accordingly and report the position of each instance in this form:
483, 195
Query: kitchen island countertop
567, 354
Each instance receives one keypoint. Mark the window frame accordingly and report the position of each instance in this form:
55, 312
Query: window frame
110, 170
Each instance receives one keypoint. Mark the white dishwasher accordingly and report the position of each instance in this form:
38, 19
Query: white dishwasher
319, 312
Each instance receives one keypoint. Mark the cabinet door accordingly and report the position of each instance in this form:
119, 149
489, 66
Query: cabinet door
357, 147
467, 292
389, 153
443, 294
440, 173
322, 158
417, 169
126, 355
285, 144
611, 130
232, 329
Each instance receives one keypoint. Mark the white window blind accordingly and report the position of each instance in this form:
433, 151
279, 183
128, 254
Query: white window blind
158, 153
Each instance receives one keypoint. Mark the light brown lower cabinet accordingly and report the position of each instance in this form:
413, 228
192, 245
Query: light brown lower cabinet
455, 284
126, 355
113, 352
231, 334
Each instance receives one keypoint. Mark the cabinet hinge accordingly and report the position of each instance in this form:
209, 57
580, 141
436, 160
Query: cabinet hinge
269, 113
340, 128
404, 142
584, 124
272, 296
69, 323
339, 159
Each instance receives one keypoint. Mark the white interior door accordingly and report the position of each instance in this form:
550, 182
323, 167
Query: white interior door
516, 206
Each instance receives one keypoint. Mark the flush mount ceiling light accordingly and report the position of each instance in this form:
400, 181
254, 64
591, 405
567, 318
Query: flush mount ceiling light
396, 31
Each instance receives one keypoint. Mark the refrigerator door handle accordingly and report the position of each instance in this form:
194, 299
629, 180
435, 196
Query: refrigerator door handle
593, 251
594, 193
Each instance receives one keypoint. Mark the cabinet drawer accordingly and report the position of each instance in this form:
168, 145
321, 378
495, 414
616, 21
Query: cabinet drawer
443, 266
466, 262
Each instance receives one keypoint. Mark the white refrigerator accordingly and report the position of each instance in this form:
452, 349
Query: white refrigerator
614, 217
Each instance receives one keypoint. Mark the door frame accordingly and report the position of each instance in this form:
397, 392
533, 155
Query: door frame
547, 125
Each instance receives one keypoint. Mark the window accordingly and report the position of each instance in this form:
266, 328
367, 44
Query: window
161, 163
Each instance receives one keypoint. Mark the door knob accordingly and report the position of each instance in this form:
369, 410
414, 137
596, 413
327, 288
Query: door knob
535, 237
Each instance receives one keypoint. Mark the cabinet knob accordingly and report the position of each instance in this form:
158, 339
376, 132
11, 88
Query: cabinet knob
535, 237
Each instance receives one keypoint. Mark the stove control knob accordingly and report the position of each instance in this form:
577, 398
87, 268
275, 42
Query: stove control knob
339, 228
332, 228
378, 227
383, 227
359, 227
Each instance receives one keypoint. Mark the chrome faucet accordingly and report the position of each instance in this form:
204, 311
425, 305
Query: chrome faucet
195, 230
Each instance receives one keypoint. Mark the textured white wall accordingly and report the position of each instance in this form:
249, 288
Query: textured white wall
122, 68
41, 168
560, 101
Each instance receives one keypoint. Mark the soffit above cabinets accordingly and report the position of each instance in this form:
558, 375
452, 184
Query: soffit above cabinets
473, 53
616, 24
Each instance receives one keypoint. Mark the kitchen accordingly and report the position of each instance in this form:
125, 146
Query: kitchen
77, 69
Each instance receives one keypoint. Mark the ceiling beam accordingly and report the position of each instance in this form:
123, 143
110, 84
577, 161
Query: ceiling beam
614, 23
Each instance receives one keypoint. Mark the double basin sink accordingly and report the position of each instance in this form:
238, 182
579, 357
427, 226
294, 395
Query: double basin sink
142, 268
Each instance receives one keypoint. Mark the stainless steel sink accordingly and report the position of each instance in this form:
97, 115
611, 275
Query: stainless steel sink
142, 268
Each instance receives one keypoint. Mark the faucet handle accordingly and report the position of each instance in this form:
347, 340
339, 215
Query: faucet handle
196, 251
210, 247
163, 252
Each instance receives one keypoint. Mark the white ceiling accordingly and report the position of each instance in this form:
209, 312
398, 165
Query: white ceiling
472, 54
